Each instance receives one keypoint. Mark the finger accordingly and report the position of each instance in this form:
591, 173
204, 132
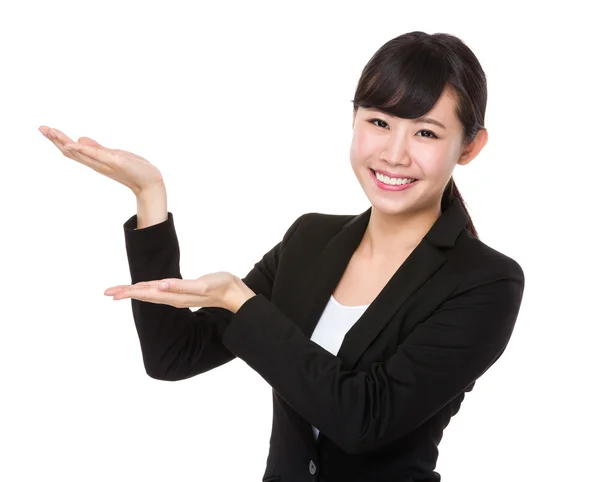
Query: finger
60, 136
142, 290
79, 153
157, 297
59, 140
90, 142
98, 154
45, 130
67, 147
88, 161
183, 286
130, 292
51, 135
130, 154
113, 289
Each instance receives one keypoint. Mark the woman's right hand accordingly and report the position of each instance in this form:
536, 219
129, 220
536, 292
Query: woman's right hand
129, 169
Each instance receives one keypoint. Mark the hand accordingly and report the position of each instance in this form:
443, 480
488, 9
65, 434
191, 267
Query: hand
220, 289
129, 169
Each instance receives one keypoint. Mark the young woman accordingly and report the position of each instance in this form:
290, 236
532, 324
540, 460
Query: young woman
370, 328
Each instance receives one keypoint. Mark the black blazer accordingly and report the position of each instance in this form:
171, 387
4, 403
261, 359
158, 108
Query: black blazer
402, 370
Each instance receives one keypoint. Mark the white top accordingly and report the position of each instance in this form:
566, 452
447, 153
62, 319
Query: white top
333, 325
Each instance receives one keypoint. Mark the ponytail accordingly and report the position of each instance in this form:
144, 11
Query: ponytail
451, 192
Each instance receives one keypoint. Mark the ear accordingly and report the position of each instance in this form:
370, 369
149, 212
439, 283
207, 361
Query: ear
471, 151
353, 117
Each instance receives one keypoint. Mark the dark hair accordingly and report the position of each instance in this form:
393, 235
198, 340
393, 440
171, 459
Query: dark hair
408, 74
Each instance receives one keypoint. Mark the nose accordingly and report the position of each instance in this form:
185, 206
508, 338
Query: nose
396, 152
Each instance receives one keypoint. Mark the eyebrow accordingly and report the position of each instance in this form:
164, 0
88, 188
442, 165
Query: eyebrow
429, 120
426, 120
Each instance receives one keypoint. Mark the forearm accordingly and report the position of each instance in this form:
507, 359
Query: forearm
176, 343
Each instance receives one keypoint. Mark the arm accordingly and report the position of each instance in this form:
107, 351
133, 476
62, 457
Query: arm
178, 343
366, 409
151, 206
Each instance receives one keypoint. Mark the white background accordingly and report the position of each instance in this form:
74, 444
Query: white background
243, 103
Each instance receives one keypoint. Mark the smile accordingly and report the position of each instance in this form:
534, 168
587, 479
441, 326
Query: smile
391, 187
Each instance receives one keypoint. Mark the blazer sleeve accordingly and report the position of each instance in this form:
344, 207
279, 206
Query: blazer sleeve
178, 343
363, 410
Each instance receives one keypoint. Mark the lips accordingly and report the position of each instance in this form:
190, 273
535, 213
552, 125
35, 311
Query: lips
392, 187
389, 174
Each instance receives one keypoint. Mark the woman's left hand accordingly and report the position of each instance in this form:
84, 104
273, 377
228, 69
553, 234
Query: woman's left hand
220, 289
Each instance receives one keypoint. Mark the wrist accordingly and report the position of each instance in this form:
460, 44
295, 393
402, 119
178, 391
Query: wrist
151, 206
238, 294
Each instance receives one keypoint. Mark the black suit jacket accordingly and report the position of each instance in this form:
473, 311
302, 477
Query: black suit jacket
402, 371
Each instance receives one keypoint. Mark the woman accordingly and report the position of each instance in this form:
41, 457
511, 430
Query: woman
370, 328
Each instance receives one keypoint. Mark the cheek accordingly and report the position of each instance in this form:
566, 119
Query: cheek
434, 160
360, 147
436, 169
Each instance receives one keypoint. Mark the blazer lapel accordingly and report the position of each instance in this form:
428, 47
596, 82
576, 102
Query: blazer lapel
324, 275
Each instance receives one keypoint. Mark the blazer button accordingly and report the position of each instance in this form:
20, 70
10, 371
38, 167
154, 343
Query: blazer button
312, 468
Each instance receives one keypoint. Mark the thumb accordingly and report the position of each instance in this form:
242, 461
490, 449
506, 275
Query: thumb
172, 284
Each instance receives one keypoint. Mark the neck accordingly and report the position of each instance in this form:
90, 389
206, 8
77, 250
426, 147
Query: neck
391, 236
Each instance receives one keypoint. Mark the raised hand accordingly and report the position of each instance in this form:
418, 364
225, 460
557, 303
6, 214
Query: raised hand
125, 167
220, 289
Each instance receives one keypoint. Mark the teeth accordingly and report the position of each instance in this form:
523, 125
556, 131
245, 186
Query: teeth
393, 181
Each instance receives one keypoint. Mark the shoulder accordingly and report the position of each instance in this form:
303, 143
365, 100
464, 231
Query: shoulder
480, 263
474, 261
317, 226
327, 220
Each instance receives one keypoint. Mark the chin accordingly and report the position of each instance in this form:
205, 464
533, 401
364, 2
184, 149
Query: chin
390, 204
391, 209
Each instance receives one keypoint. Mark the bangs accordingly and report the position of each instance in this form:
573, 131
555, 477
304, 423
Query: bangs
404, 82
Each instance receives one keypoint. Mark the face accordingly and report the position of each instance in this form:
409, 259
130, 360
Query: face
412, 149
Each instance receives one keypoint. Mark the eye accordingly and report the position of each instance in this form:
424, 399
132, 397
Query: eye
372, 121
432, 136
